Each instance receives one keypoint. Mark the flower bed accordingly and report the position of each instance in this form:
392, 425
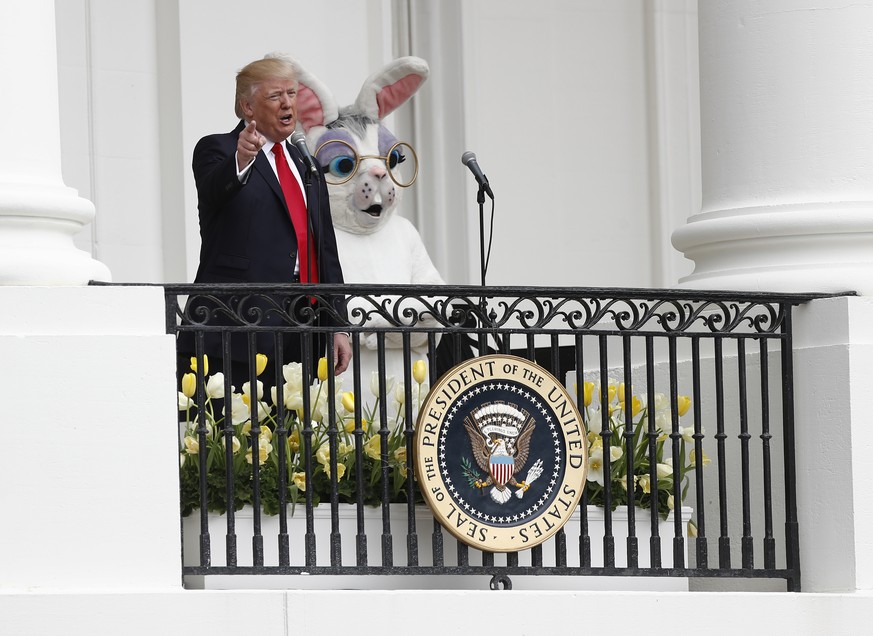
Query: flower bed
629, 442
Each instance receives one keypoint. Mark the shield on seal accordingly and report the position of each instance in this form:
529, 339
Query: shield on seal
502, 468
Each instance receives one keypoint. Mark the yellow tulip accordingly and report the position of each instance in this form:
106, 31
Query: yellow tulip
189, 384
322, 455
683, 403
300, 480
294, 441
350, 426
349, 401
260, 363
636, 406
192, 446
205, 364
322, 369
588, 392
340, 471
400, 455
621, 392
264, 450
373, 448
692, 458
234, 444
419, 371
644, 482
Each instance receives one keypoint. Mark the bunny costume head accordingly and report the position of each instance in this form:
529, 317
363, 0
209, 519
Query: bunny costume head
365, 166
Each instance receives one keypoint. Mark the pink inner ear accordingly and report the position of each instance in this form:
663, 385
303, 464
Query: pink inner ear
309, 110
390, 97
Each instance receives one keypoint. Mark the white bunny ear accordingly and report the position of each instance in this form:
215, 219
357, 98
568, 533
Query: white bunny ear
316, 105
384, 91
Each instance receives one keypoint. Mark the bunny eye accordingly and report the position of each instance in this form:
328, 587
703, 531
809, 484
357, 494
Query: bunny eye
339, 160
396, 157
341, 166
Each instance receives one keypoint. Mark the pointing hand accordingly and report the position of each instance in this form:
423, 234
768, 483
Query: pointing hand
248, 145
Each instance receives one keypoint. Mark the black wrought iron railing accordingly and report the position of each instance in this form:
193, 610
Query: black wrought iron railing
687, 397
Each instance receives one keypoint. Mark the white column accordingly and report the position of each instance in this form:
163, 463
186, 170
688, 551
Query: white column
674, 129
38, 214
787, 148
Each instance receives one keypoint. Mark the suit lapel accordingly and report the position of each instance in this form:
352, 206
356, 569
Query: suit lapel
262, 165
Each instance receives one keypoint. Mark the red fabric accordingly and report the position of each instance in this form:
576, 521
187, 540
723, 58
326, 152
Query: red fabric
297, 210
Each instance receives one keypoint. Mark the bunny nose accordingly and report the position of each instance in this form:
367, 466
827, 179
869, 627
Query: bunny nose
377, 171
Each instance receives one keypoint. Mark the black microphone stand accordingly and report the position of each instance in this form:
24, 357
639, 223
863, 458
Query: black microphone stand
313, 221
480, 200
311, 207
311, 181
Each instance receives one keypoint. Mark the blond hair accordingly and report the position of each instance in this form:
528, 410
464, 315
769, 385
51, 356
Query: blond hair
251, 75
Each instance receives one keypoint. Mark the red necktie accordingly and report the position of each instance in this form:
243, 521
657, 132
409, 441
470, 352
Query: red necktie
297, 210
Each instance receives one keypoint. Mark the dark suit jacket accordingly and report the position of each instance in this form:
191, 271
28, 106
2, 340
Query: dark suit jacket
246, 232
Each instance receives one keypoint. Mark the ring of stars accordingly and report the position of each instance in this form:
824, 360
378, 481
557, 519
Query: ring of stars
557, 444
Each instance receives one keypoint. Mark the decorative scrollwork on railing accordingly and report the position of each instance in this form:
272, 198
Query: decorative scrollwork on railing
406, 310
392, 308
251, 309
627, 314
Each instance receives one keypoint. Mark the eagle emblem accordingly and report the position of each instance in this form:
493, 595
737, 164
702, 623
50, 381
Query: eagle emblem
500, 435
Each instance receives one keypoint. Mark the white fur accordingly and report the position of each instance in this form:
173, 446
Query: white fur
393, 255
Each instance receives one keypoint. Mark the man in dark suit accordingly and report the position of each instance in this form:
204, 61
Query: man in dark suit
247, 230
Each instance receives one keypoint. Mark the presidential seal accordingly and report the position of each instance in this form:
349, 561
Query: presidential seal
501, 453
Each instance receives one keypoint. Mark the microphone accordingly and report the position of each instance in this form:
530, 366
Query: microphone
299, 139
469, 160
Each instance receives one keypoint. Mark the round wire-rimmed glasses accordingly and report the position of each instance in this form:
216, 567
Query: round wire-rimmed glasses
341, 162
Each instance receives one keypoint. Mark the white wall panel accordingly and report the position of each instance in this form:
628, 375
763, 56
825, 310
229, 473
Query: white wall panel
585, 156
556, 113
108, 77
